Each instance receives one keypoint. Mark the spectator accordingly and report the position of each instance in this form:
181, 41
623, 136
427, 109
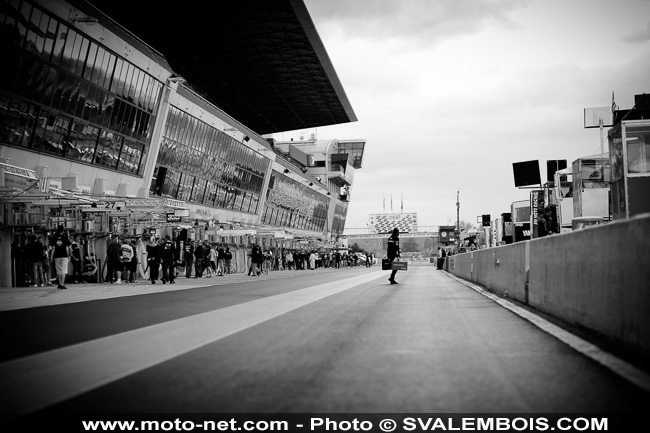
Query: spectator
153, 259
77, 259
61, 255
199, 253
114, 261
188, 255
228, 259
34, 253
220, 270
127, 256
168, 256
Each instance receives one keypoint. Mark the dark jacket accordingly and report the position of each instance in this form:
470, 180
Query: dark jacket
153, 254
114, 253
393, 248
168, 251
34, 251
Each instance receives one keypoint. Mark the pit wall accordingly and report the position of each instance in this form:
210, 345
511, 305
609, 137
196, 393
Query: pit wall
597, 278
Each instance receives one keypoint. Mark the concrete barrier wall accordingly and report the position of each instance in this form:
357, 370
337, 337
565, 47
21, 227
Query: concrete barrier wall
597, 278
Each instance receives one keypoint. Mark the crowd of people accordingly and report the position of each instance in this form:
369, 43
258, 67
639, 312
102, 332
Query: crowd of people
42, 262
60, 258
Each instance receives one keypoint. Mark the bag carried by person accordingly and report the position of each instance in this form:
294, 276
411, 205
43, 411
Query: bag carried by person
386, 265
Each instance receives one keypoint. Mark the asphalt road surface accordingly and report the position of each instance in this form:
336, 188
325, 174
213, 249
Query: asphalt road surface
297, 342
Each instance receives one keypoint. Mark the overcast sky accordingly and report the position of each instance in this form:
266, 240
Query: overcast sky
449, 93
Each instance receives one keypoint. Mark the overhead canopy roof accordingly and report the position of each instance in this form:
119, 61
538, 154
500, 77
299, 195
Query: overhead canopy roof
261, 61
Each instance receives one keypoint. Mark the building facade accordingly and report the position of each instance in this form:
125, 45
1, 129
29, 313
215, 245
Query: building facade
100, 135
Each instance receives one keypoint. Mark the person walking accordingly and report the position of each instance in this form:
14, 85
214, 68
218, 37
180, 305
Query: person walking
168, 256
188, 255
153, 259
61, 255
393, 252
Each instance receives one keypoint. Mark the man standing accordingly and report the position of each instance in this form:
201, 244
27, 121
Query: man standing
60, 254
189, 258
221, 256
228, 259
168, 255
199, 253
114, 261
34, 252
153, 259
76, 257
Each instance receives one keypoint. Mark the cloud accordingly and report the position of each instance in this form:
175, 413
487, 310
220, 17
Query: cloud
416, 22
639, 37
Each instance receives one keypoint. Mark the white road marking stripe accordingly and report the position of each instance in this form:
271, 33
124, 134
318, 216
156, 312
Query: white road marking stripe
34, 382
624, 369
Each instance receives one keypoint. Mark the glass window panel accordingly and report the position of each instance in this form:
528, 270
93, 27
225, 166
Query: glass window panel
27, 78
40, 131
93, 104
80, 100
116, 83
108, 70
97, 74
108, 149
45, 89
133, 85
220, 195
239, 199
89, 70
90, 137
143, 102
19, 123
50, 36
185, 187
59, 43
210, 193
82, 55
638, 149
170, 186
198, 191
138, 89
130, 156
25, 12
143, 159
129, 119
35, 37
58, 131
126, 76
62, 92
155, 95
66, 58
247, 202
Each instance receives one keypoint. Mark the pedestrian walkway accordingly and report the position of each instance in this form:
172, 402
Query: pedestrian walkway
14, 298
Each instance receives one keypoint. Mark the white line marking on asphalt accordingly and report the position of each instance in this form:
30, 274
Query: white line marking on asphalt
34, 382
622, 368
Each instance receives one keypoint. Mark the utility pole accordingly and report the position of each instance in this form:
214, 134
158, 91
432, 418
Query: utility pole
458, 211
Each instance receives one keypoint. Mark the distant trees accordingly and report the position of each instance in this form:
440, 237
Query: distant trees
409, 245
